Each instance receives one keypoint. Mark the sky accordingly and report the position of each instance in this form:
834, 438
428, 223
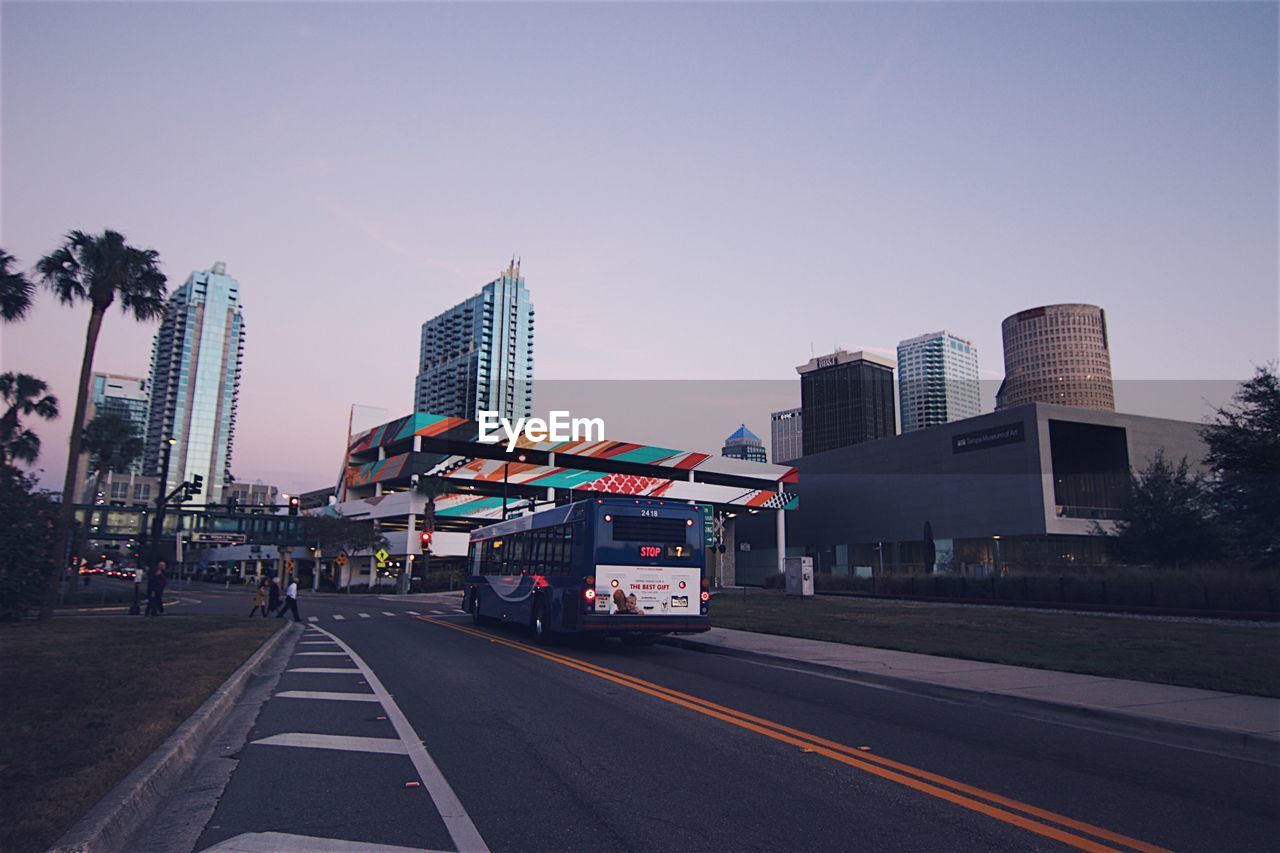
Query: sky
697, 191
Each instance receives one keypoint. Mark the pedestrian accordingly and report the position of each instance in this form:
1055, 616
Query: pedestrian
260, 600
291, 600
273, 597
155, 589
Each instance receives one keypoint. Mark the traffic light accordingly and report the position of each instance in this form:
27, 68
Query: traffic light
293, 506
196, 486
426, 541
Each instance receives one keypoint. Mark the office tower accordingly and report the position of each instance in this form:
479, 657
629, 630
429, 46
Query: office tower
845, 398
195, 381
787, 435
744, 444
937, 380
478, 355
1057, 354
126, 396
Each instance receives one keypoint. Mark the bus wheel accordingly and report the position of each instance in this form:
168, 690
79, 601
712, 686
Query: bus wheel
538, 624
476, 618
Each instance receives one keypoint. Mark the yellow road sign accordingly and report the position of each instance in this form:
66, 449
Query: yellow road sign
382, 557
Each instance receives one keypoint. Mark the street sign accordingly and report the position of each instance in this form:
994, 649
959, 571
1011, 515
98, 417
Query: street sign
217, 538
382, 557
708, 517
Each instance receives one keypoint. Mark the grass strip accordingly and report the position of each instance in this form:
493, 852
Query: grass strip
86, 700
1212, 656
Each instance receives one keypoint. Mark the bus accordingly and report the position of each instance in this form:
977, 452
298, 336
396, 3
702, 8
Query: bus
628, 568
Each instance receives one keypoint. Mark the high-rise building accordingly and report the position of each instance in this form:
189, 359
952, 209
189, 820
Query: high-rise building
937, 380
787, 435
744, 444
1057, 354
195, 381
478, 355
846, 398
125, 396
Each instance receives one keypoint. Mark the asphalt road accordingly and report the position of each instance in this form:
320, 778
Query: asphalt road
611, 748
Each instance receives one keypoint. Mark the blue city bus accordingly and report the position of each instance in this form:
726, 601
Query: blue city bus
628, 568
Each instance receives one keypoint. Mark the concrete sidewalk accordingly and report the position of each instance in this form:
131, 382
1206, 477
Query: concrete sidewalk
1228, 723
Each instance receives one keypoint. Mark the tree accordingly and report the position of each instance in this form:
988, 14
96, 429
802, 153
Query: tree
1166, 517
338, 534
99, 270
15, 290
1244, 456
26, 539
113, 444
22, 396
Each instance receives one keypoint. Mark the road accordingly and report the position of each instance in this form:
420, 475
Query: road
446, 736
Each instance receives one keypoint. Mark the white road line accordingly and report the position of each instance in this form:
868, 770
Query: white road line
437, 612
313, 618
413, 613
326, 669
364, 616
387, 613
266, 842
316, 643
306, 740
456, 820
325, 694
338, 654
339, 616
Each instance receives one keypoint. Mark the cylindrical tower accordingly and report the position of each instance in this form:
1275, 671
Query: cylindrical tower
1057, 354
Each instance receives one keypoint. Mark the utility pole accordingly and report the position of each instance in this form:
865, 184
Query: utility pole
157, 523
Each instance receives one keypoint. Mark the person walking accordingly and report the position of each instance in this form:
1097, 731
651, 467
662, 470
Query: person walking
260, 600
155, 589
291, 600
273, 597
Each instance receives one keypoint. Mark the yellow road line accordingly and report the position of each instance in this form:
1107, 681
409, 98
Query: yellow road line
961, 794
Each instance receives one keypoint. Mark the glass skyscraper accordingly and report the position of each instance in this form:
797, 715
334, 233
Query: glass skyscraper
478, 355
195, 380
845, 398
937, 380
744, 444
125, 396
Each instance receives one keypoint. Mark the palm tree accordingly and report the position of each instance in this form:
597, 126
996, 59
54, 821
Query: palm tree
113, 444
22, 396
15, 290
98, 270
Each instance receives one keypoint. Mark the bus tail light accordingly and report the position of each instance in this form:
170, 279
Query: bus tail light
589, 594
706, 596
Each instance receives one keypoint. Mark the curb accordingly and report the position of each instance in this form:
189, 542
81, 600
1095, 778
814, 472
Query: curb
1225, 742
119, 815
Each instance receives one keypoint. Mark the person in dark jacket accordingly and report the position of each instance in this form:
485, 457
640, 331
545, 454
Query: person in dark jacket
273, 597
155, 589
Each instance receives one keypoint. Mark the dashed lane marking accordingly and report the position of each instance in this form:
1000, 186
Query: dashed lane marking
339, 616
364, 616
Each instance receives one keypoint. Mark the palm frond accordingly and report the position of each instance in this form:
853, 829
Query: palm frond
15, 290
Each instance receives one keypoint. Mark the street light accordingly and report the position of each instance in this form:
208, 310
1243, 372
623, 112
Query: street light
996, 568
505, 466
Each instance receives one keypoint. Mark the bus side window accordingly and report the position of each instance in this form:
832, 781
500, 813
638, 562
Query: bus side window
553, 550
564, 542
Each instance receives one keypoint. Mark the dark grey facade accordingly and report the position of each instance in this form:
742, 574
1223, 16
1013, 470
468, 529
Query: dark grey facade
846, 398
1043, 478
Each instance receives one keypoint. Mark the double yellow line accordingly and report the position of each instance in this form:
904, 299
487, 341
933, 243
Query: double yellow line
1022, 815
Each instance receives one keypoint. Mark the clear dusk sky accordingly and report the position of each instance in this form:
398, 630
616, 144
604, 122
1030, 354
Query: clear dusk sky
697, 191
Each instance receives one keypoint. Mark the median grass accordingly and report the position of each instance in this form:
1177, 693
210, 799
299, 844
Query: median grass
85, 700
1237, 659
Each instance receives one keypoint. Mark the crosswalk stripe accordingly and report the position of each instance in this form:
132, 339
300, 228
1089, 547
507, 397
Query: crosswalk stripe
387, 613
327, 694
333, 670
388, 745
327, 654
316, 643
364, 615
437, 612
339, 616
413, 613
313, 618
284, 842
